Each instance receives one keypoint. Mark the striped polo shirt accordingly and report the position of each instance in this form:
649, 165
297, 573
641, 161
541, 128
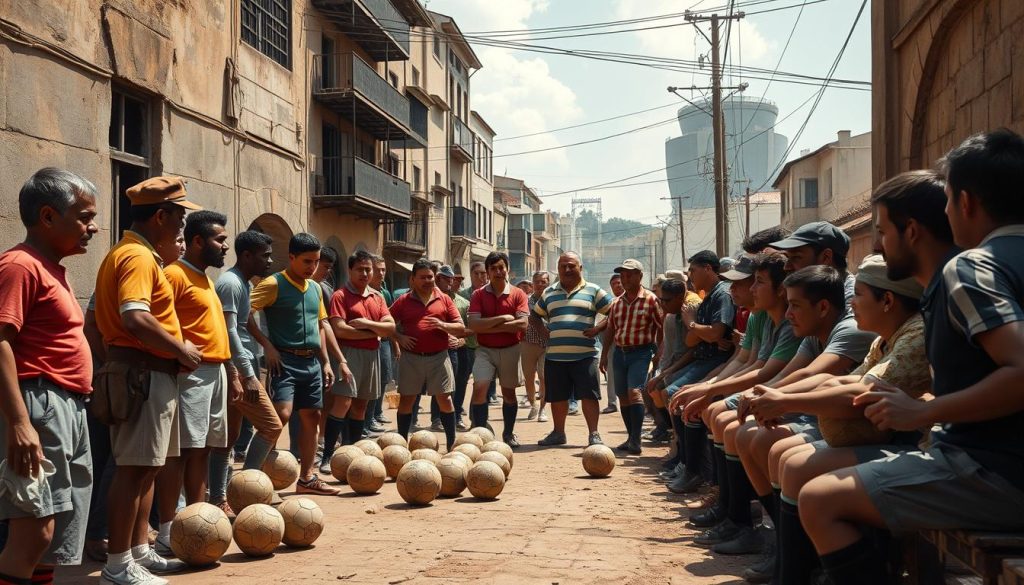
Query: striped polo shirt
568, 315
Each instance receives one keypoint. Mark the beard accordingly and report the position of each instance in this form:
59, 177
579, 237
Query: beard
213, 257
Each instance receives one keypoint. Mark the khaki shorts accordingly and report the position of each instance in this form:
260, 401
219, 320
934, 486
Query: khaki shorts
503, 363
202, 407
151, 438
365, 367
432, 372
532, 357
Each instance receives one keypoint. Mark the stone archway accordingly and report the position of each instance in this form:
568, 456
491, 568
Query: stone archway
277, 228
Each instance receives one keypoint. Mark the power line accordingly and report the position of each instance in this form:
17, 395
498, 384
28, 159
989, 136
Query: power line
574, 126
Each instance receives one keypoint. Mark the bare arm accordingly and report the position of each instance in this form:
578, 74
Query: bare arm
24, 451
518, 325
829, 364
142, 325
344, 330
488, 324
95, 339
383, 328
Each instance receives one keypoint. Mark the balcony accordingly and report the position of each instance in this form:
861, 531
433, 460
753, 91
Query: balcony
463, 224
376, 25
408, 236
355, 186
462, 141
520, 241
540, 224
347, 85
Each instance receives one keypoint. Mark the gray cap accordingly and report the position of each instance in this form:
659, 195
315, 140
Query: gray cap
741, 269
630, 264
817, 233
446, 270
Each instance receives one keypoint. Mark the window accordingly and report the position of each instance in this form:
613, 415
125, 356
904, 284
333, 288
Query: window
415, 76
394, 79
808, 193
437, 46
416, 178
267, 27
393, 164
130, 152
458, 201
437, 179
827, 196
459, 196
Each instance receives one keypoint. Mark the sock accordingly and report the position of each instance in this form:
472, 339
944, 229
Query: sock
294, 425
219, 470
854, 565
723, 475
740, 492
368, 420
42, 576
435, 411
624, 413
679, 428
797, 556
259, 448
117, 562
636, 421
448, 421
164, 532
768, 503
508, 416
140, 550
355, 428
695, 436
661, 417
478, 412
334, 428
9, 580
404, 422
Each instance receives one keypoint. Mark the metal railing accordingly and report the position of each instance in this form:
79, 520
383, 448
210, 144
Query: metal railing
391, 20
353, 176
463, 222
337, 73
412, 233
462, 136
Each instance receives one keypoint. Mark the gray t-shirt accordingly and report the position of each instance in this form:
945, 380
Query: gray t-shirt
233, 290
848, 287
779, 342
845, 340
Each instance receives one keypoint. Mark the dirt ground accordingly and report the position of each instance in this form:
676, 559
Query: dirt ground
551, 525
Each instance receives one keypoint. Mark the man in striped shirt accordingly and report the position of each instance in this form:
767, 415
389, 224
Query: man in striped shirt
635, 325
570, 308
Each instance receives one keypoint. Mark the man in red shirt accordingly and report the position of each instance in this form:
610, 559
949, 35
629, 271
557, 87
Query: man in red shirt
45, 379
426, 317
498, 314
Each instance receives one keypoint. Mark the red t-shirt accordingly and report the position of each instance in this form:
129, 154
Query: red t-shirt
346, 304
36, 299
485, 303
410, 312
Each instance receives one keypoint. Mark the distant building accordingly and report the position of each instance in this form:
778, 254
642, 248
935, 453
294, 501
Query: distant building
699, 224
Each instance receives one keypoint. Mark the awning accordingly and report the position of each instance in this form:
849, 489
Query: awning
405, 265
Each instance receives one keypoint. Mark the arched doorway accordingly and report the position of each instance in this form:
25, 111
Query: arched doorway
277, 228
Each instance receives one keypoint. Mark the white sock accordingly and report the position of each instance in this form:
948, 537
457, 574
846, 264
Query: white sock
139, 551
117, 562
165, 531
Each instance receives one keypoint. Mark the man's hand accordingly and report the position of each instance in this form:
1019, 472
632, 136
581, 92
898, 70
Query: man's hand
190, 356
453, 342
592, 332
434, 324
235, 391
683, 397
346, 374
767, 404
737, 337
359, 323
273, 358
328, 375
688, 313
405, 342
603, 364
891, 409
252, 389
24, 451
743, 407
654, 384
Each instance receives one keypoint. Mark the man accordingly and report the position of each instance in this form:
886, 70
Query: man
533, 346
359, 318
376, 421
525, 285
427, 318
615, 287
254, 256
45, 379
456, 346
635, 324
202, 393
477, 280
818, 243
324, 276
975, 342
297, 349
136, 317
497, 314
570, 308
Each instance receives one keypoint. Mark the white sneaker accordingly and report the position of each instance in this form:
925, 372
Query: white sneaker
524, 401
156, 564
533, 413
133, 574
542, 416
163, 547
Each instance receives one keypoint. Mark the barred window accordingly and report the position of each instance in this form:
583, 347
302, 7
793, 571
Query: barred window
267, 27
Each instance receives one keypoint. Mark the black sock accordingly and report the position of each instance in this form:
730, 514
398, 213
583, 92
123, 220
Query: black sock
508, 416
695, 436
435, 410
797, 556
662, 418
768, 502
636, 421
4, 579
680, 430
332, 430
854, 565
355, 428
478, 412
404, 423
740, 492
448, 422
723, 476
624, 410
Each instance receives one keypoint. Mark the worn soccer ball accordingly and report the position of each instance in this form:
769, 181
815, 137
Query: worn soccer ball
498, 459
388, 439
282, 467
471, 438
342, 458
453, 475
598, 460
370, 447
500, 447
200, 534
460, 456
468, 450
426, 455
419, 482
485, 480
483, 432
366, 475
303, 521
258, 530
247, 487
422, 440
395, 456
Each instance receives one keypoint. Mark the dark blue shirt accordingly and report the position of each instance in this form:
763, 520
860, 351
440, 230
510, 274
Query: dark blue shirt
716, 307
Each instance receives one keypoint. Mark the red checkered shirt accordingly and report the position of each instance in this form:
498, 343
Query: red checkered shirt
637, 322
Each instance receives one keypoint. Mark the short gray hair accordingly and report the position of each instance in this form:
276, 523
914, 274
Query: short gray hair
572, 254
51, 187
543, 273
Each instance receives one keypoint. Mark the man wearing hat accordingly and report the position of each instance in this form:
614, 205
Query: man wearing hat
145, 351
818, 243
457, 353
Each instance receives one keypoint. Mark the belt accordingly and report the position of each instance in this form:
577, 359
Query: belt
299, 352
148, 361
632, 348
41, 382
424, 354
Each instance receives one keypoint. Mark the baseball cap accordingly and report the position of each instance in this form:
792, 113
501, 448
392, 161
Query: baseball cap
629, 264
872, 272
446, 270
157, 190
741, 269
675, 275
817, 233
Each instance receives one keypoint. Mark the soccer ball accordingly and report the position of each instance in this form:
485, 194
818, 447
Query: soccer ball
258, 530
427, 455
485, 480
851, 432
422, 440
500, 447
598, 460
366, 475
459, 456
282, 467
303, 521
247, 487
471, 438
453, 475
498, 459
388, 439
395, 456
370, 448
483, 432
419, 482
342, 458
468, 450
200, 534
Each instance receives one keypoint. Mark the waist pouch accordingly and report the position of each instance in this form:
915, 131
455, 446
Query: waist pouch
119, 391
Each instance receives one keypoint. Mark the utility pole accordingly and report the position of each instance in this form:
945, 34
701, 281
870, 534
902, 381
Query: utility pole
746, 206
682, 230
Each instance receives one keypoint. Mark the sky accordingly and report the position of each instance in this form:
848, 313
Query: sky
522, 92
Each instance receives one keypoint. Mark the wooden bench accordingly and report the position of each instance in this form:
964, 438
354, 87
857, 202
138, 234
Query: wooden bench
983, 553
1013, 572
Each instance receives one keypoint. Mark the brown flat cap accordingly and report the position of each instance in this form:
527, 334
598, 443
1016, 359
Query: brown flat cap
161, 190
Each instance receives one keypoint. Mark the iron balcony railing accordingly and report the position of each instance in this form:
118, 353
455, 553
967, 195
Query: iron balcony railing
355, 90
408, 234
462, 139
363, 188
463, 222
378, 27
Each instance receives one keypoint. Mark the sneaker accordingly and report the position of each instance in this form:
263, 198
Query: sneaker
661, 435
723, 532
436, 425
533, 413
461, 425
163, 547
749, 541
511, 440
594, 439
320, 451
622, 446
524, 401
224, 507
315, 485
764, 569
133, 574
687, 483
375, 427
633, 447
610, 409
673, 473
542, 416
702, 501
494, 401
325, 468
574, 408
158, 565
238, 456
553, 438
383, 420
713, 516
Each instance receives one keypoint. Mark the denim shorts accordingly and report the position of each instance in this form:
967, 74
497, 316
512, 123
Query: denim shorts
300, 382
691, 374
630, 368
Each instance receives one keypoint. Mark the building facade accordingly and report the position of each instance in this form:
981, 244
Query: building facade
526, 230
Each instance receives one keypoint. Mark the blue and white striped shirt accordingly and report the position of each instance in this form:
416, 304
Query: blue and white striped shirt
568, 315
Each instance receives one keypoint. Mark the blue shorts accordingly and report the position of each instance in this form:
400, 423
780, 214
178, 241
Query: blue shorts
692, 373
630, 368
300, 382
